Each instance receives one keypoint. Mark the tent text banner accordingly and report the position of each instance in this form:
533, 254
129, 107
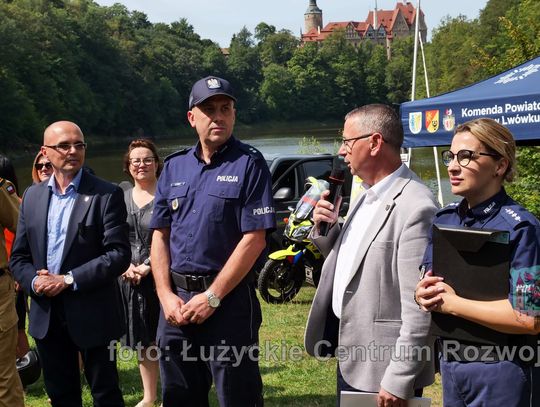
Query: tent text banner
512, 98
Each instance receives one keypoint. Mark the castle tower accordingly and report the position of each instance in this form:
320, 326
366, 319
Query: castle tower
375, 21
313, 17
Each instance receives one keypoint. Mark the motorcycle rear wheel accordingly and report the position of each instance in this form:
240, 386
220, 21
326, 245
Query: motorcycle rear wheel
278, 281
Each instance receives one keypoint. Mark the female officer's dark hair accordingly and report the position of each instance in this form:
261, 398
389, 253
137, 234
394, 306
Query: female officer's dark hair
142, 143
7, 171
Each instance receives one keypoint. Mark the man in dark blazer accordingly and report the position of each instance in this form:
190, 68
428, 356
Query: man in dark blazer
71, 245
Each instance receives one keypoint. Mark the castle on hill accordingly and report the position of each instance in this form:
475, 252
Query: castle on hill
380, 26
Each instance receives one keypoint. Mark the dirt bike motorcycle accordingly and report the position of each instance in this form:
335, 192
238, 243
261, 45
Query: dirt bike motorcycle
286, 270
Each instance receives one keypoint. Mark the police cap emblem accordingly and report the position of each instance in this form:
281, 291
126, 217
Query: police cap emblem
207, 87
213, 83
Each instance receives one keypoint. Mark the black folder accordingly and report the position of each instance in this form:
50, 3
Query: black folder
476, 264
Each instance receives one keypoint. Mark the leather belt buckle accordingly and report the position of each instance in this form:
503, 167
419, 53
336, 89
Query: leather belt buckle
193, 283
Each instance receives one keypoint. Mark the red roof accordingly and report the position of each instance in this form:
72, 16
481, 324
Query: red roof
408, 11
386, 18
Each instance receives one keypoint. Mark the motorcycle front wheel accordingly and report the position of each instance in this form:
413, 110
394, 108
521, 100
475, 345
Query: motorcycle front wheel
278, 281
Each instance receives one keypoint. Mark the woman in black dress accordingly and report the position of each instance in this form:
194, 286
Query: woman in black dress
139, 298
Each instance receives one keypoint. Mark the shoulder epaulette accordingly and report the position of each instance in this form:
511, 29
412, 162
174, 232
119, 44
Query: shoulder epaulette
450, 207
2, 180
515, 216
177, 153
250, 150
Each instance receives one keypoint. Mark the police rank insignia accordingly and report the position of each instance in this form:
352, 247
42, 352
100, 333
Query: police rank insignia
174, 204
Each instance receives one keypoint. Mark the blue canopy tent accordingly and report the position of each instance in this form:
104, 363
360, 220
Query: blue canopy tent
512, 98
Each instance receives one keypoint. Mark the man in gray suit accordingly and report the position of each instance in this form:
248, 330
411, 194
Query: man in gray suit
364, 311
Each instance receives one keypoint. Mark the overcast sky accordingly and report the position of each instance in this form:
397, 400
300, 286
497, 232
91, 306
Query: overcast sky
218, 20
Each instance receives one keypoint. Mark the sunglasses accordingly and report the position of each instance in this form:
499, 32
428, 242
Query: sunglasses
39, 166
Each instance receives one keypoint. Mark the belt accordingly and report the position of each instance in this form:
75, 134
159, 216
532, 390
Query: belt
192, 282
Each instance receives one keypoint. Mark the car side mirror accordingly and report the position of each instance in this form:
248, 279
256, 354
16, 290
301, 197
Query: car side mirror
284, 194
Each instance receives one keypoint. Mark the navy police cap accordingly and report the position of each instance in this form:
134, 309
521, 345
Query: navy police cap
208, 87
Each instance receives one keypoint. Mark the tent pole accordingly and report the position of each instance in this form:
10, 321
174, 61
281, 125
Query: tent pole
416, 36
424, 64
435, 154
413, 88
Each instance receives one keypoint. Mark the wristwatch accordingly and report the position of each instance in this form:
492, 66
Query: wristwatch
68, 279
213, 299
147, 262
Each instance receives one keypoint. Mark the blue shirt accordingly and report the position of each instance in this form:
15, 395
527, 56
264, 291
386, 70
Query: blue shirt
209, 207
501, 212
60, 208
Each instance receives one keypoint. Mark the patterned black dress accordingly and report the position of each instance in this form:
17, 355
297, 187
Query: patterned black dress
140, 302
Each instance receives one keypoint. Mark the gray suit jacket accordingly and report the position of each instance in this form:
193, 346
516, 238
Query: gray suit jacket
382, 335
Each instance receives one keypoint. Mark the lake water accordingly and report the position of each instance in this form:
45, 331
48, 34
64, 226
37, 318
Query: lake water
107, 161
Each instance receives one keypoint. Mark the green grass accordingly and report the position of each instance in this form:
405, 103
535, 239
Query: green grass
290, 379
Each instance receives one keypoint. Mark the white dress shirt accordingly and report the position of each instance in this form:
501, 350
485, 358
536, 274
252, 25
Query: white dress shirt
355, 232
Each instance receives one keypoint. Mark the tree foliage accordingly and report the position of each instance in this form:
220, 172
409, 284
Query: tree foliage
463, 51
117, 74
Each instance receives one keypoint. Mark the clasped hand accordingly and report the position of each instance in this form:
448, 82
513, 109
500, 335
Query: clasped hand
134, 273
432, 294
49, 284
178, 313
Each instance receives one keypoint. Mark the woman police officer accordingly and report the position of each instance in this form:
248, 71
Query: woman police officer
481, 158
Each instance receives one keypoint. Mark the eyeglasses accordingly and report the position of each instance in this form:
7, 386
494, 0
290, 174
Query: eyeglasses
40, 166
464, 157
136, 162
66, 147
349, 142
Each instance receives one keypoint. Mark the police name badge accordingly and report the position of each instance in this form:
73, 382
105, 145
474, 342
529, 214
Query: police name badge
174, 204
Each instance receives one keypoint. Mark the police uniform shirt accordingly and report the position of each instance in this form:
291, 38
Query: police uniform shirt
501, 212
208, 207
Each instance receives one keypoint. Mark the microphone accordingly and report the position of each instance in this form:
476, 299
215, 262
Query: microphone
336, 179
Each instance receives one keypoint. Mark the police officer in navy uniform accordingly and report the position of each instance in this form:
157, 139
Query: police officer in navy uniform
213, 208
481, 157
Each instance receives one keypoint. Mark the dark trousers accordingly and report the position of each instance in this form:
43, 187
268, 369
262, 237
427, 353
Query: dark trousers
483, 384
194, 355
342, 385
60, 363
